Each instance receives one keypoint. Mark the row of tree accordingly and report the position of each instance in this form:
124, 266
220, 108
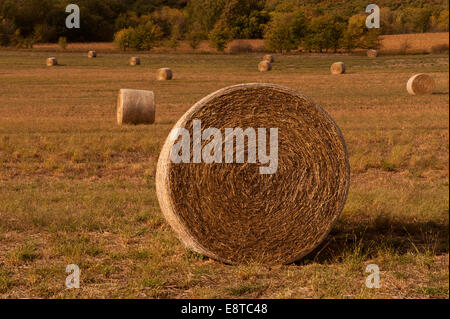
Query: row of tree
141, 24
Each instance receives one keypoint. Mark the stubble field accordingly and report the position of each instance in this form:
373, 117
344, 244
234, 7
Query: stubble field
75, 188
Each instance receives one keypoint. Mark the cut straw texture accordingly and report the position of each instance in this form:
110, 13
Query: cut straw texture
420, 84
164, 74
232, 213
135, 61
372, 53
264, 66
135, 107
92, 54
51, 62
338, 68
269, 58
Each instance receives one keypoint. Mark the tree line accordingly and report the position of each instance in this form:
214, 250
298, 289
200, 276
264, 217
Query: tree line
316, 25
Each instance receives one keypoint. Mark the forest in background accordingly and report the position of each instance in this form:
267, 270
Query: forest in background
284, 24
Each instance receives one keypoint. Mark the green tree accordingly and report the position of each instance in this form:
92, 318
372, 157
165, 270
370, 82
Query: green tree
324, 33
281, 33
195, 35
147, 36
124, 38
356, 28
201, 17
245, 19
7, 30
220, 35
175, 36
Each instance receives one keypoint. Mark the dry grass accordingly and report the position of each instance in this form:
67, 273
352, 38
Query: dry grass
77, 188
390, 44
412, 43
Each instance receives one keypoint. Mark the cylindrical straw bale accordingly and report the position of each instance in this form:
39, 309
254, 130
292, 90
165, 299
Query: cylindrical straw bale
135, 61
420, 84
51, 62
239, 211
164, 74
264, 66
338, 68
269, 58
135, 107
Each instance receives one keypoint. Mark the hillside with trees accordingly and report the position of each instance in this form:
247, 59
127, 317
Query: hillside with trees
320, 26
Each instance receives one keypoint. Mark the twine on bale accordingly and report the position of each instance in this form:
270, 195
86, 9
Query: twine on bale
92, 54
269, 58
372, 53
51, 62
420, 84
135, 107
135, 61
264, 66
232, 213
164, 74
338, 68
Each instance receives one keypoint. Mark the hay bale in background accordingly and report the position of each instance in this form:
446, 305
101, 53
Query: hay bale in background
338, 68
264, 66
269, 58
92, 54
232, 213
51, 62
420, 84
135, 107
164, 74
372, 53
135, 61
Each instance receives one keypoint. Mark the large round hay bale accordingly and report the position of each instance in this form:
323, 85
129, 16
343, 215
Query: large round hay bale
237, 212
420, 84
264, 66
164, 74
269, 58
372, 53
51, 62
135, 61
338, 68
92, 54
135, 107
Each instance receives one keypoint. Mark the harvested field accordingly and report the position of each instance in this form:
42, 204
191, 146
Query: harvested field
76, 188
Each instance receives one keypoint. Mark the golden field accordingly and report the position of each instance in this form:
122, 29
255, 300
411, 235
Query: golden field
75, 188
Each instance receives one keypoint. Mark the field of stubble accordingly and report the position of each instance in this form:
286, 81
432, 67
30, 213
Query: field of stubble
75, 188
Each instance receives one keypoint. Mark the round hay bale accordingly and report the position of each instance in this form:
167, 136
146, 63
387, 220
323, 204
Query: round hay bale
264, 66
420, 84
51, 62
338, 68
135, 61
372, 53
164, 74
92, 54
269, 58
234, 213
135, 107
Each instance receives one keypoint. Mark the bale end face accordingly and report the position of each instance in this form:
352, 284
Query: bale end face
420, 84
164, 74
135, 61
338, 68
92, 54
135, 107
269, 58
264, 66
51, 62
230, 211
